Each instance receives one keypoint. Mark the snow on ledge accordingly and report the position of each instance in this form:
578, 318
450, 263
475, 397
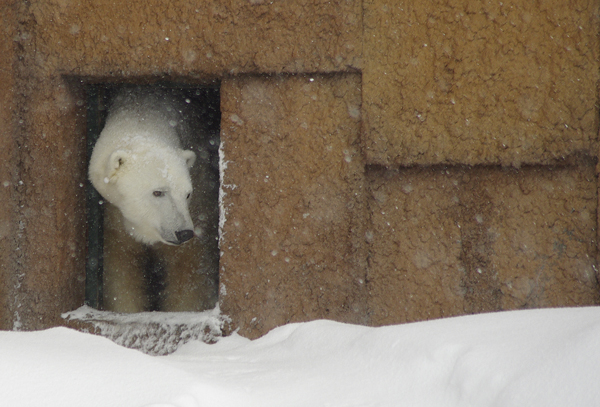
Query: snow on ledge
154, 333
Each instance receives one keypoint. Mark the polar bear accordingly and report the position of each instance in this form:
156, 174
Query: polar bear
152, 165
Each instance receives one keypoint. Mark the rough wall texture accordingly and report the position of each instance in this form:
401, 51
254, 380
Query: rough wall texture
314, 226
191, 39
294, 201
51, 238
7, 161
46, 248
455, 240
59, 45
473, 82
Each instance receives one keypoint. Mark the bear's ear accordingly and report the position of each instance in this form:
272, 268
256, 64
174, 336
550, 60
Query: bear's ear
115, 161
190, 157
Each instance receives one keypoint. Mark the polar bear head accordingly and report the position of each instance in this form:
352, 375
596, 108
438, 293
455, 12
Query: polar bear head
151, 186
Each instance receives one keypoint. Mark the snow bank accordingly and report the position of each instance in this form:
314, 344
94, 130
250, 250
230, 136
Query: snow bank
525, 358
63, 367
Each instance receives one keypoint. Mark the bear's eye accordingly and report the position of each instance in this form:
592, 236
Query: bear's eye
158, 194
188, 196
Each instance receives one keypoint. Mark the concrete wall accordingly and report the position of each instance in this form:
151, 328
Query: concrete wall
455, 240
385, 161
8, 164
469, 82
295, 201
45, 121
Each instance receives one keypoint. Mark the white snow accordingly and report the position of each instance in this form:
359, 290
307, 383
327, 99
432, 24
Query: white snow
528, 358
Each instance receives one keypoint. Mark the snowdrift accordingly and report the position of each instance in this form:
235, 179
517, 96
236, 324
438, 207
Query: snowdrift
547, 357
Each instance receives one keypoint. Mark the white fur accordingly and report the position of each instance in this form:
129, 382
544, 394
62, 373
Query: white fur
138, 153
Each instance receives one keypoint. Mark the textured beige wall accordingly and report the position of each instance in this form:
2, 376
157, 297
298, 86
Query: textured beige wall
44, 131
398, 90
292, 244
197, 39
458, 240
7, 161
50, 189
471, 82
60, 45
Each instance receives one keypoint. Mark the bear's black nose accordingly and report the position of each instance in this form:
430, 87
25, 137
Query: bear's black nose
184, 235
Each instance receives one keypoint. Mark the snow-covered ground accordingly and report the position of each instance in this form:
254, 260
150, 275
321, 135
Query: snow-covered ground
529, 358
